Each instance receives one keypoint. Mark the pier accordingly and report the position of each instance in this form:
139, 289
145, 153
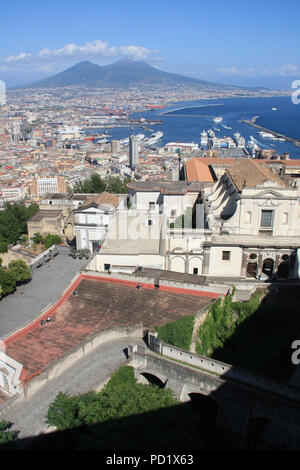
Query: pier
275, 134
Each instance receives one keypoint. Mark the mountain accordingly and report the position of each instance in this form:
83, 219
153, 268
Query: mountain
121, 74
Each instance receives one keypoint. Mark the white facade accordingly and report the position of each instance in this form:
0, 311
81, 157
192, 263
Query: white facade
47, 185
91, 226
250, 228
12, 193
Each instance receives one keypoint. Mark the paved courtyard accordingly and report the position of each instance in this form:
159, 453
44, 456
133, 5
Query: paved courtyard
88, 373
100, 303
47, 284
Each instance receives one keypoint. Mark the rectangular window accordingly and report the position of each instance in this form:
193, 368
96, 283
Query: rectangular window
266, 219
195, 271
225, 255
150, 222
106, 267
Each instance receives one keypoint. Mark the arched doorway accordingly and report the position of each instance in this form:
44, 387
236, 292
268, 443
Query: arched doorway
178, 264
268, 266
251, 269
284, 267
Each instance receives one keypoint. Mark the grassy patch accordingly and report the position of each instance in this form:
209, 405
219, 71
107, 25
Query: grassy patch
255, 335
178, 333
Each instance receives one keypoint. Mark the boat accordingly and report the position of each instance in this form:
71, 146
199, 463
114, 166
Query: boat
240, 140
268, 135
204, 138
218, 119
154, 138
274, 109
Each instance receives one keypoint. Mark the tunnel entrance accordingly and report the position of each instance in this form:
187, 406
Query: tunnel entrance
151, 379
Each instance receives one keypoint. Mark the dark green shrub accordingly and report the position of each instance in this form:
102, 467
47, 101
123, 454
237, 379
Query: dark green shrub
178, 333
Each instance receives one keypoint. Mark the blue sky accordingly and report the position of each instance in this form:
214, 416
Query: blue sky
234, 41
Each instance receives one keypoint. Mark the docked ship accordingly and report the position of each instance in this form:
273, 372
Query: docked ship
154, 138
240, 140
252, 146
204, 139
268, 135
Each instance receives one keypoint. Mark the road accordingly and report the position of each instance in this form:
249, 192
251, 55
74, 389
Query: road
28, 416
47, 284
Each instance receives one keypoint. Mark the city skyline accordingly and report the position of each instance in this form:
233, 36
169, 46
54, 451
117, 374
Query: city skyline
246, 44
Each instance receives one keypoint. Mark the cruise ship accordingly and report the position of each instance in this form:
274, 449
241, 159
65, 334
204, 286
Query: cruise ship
154, 138
240, 140
252, 146
204, 139
268, 135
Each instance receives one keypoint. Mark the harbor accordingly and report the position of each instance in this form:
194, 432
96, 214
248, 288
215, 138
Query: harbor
277, 135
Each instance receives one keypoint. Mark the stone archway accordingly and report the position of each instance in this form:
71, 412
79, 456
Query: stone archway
195, 265
147, 378
178, 264
268, 266
251, 269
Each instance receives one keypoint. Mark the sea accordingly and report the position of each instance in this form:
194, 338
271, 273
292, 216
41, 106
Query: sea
184, 121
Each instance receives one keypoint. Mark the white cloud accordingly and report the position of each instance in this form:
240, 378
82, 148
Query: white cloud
98, 49
18, 58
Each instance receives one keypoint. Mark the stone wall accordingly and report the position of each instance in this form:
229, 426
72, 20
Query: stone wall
71, 357
222, 369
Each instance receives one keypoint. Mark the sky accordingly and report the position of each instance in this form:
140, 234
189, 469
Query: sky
239, 42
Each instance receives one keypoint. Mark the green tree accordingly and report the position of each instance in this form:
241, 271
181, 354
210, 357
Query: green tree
96, 184
5, 434
3, 247
20, 271
50, 240
7, 281
13, 222
121, 397
38, 238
